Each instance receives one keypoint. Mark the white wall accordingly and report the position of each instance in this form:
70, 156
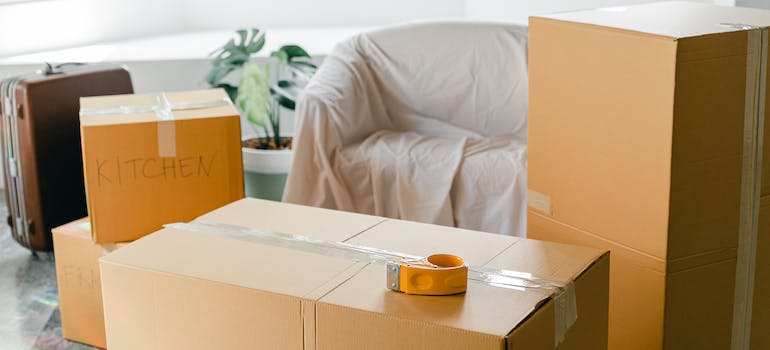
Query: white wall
518, 11
764, 4
208, 14
42, 25
39, 25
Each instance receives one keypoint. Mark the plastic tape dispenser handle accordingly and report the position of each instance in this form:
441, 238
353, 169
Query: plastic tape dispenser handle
438, 274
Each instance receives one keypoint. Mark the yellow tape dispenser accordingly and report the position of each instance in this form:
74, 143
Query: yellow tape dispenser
438, 274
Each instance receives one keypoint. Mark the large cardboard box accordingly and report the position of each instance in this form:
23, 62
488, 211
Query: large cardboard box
636, 136
231, 293
760, 338
154, 159
78, 280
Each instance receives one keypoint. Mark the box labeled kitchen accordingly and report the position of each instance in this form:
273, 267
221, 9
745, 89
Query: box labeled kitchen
158, 158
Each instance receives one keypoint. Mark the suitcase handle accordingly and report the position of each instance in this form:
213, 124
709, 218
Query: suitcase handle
49, 69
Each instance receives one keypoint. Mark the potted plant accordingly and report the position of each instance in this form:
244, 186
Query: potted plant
261, 96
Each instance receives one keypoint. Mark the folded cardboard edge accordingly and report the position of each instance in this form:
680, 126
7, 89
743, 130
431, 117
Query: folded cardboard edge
725, 22
669, 266
605, 255
591, 26
433, 326
128, 100
112, 120
660, 267
72, 227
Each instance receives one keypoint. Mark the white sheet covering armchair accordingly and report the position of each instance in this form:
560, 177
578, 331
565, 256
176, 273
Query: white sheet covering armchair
424, 122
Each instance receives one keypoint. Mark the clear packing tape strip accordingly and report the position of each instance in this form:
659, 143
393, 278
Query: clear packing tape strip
563, 295
163, 109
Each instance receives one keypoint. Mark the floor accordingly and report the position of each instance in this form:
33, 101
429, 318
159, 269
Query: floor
29, 300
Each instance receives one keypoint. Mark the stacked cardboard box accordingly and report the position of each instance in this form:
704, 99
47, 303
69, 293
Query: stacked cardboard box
79, 283
636, 144
153, 159
227, 292
148, 160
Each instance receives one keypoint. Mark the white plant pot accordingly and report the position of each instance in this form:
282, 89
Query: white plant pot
265, 172
263, 161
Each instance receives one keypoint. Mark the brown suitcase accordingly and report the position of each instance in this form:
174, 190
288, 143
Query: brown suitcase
42, 161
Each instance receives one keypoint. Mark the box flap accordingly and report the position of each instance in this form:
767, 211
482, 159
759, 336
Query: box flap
476, 248
230, 261
553, 261
674, 19
292, 219
80, 227
225, 109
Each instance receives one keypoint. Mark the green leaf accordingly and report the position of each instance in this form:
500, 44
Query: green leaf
249, 42
303, 64
256, 45
254, 94
294, 51
232, 55
216, 74
242, 33
232, 91
285, 93
288, 53
282, 56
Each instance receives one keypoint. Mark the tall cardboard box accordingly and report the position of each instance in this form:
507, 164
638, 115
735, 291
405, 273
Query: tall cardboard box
78, 281
158, 158
231, 292
760, 338
636, 136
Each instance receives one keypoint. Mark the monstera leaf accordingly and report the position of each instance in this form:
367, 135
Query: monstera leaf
294, 57
285, 92
233, 55
254, 94
289, 53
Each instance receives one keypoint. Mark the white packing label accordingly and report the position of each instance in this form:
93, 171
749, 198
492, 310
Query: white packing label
539, 201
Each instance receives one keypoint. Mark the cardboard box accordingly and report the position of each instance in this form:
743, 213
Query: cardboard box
77, 275
760, 338
653, 304
146, 169
230, 293
636, 123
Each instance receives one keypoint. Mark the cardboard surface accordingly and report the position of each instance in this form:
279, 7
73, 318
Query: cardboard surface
79, 284
642, 155
637, 284
760, 338
617, 151
259, 296
671, 19
153, 298
292, 219
133, 187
